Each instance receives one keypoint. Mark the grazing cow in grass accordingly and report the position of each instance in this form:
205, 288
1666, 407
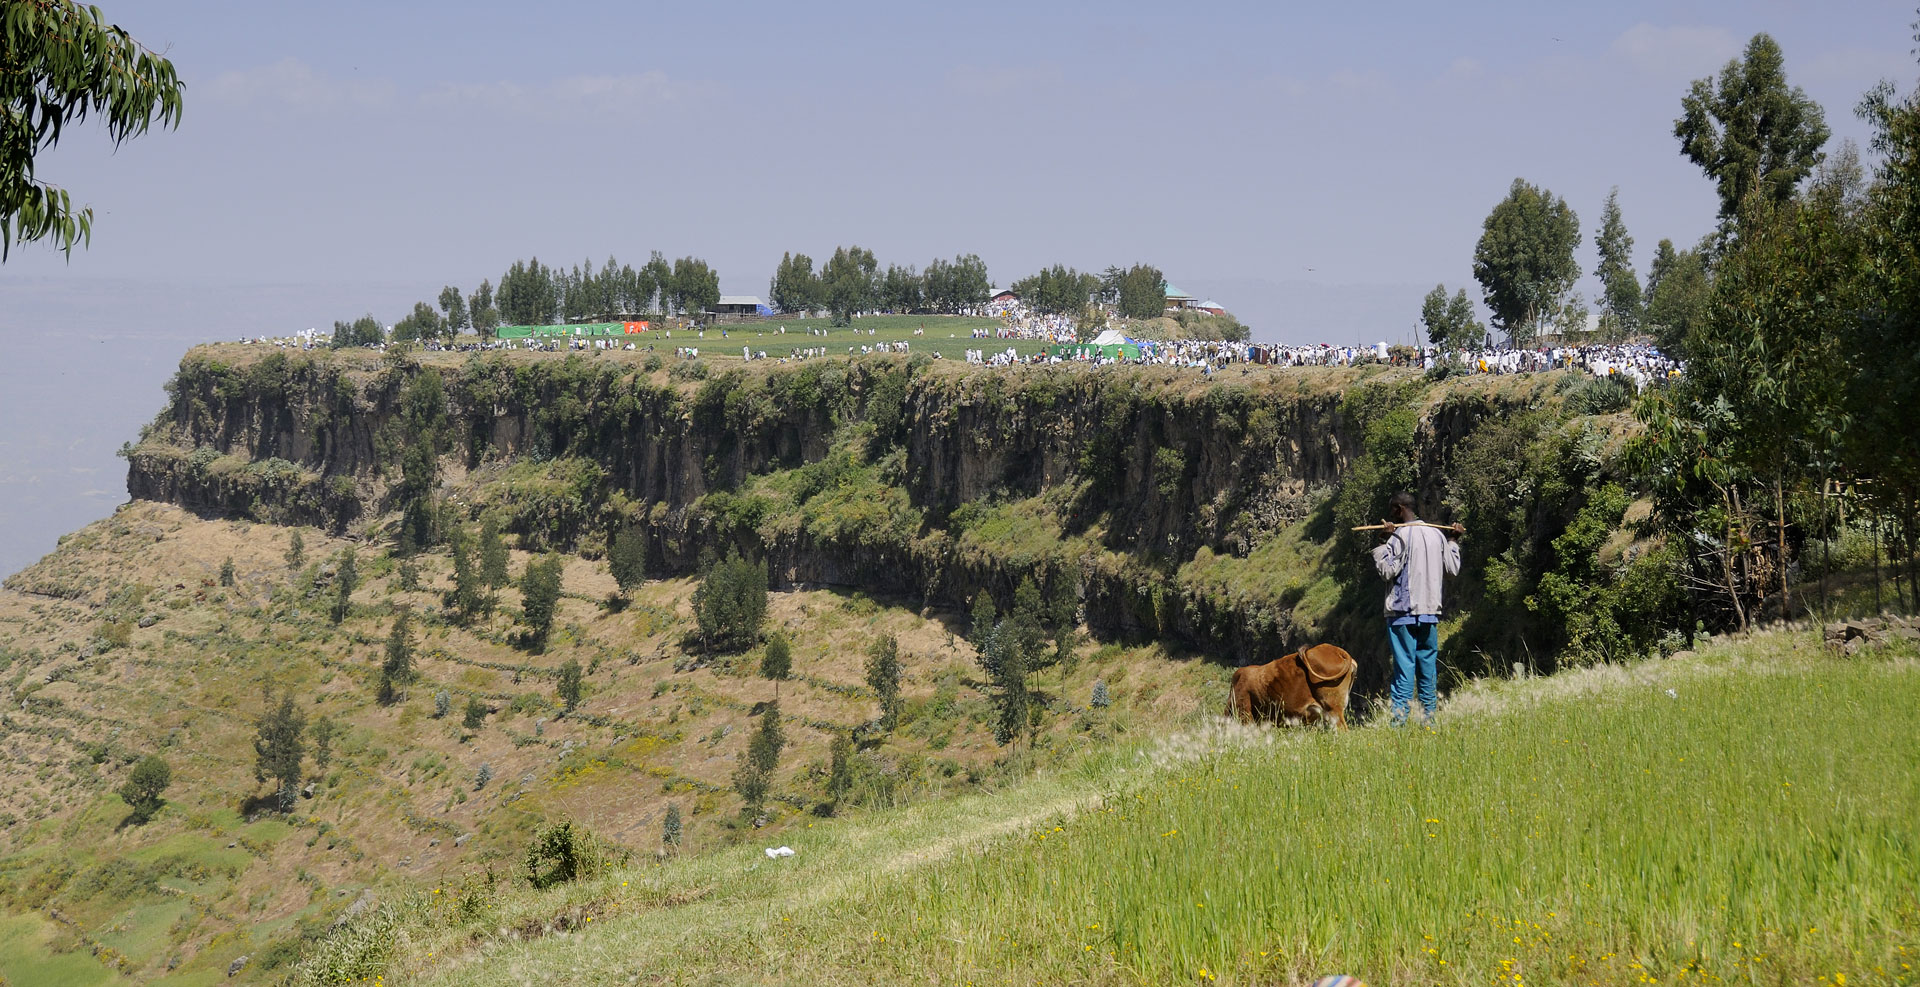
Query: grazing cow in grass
1308, 686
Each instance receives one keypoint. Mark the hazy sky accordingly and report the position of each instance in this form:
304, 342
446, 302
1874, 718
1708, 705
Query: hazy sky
422, 143
1315, 168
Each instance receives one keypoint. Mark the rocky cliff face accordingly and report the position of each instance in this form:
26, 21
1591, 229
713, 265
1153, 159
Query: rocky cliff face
1140, 468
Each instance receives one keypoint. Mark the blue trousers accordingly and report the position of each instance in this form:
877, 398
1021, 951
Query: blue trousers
1416, 655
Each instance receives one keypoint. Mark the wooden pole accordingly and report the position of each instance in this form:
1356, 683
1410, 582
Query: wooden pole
1409, 524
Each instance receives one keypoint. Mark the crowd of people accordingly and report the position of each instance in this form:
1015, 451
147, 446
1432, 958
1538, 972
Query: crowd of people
1018, 322
1638, 363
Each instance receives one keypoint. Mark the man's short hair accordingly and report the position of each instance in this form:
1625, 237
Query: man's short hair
1402, 499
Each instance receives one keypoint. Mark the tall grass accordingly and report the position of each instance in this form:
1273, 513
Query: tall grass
1759, 825
1765, 827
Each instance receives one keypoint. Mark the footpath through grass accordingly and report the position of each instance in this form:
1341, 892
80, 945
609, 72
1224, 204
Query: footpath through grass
1760, 823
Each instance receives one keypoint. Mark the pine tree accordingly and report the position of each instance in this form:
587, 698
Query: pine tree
883, 676
226, 572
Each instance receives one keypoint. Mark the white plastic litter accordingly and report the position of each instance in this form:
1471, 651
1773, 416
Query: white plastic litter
779, 851
1672, 694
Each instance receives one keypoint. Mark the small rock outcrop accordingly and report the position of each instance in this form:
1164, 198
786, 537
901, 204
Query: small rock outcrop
1849, 636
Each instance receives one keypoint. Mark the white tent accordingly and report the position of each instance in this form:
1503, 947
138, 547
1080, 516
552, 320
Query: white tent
1111, 337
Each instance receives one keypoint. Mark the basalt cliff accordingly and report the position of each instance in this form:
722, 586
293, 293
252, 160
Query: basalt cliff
1209, 512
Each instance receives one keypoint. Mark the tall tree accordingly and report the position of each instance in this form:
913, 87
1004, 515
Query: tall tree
1450, 323
278, 748
454, 306
696, 287
883, 677
468, 598
1003, 659
847, 283
323, 731
1884, 394
540, 598
346, 579
968, 287
659, 274
493, 554
480, 310
839, 769
902, 289
1677, 293
1061, 290
731, 603
1142, 292
421, 323
794, 287
363, 331
1620, 304
397, 667
1749, 131
627, 558
776, 665
59, 62
753, 776
1524, 260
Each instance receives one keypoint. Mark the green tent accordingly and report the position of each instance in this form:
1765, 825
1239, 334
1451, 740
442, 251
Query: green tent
584, 329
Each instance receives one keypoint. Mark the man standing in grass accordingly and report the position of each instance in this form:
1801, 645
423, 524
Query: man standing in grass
1415, 556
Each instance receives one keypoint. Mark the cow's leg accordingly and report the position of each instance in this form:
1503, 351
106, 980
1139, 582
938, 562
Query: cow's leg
1240, 705
1332, 701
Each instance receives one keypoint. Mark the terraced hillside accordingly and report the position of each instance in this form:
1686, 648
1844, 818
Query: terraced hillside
124, 642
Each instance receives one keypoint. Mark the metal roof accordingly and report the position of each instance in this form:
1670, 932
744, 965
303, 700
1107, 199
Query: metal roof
740, 300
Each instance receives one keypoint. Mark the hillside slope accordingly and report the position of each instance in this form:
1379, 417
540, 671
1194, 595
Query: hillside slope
124, 642
1671, 821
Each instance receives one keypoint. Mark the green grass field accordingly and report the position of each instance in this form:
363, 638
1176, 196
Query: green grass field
1760, 823
947, 335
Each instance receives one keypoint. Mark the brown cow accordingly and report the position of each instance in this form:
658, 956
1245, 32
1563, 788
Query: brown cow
1307, 686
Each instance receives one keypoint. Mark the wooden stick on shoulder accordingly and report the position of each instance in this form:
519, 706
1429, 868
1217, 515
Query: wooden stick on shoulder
1409, 524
